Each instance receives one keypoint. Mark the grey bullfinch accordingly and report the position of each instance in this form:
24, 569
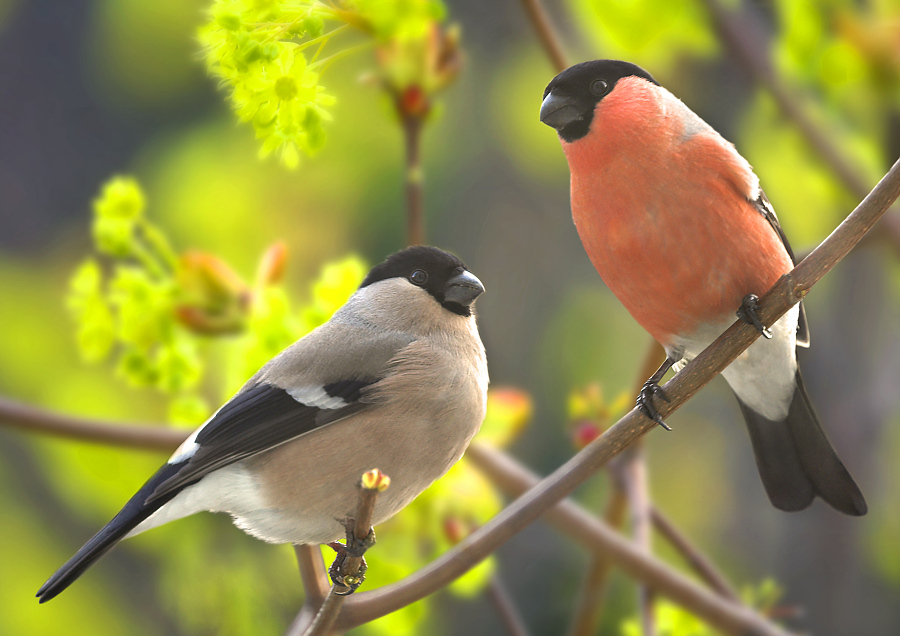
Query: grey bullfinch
396, 380
674, 221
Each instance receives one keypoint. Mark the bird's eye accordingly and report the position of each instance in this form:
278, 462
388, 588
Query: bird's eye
418, 277
599, 87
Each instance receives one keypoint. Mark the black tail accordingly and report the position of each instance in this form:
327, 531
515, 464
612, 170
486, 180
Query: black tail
796, 462
134, 512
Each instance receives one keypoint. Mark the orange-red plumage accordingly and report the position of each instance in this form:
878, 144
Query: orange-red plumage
653, 240
673, 219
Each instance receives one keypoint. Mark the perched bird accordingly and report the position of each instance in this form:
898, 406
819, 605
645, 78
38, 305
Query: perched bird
674, 221
396, 380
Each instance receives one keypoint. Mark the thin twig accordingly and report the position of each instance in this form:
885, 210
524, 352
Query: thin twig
589, 609
509, 614
704, 568
586, 618
415, 206
315, 586
372, 483
638, 496
722, 613
541, 23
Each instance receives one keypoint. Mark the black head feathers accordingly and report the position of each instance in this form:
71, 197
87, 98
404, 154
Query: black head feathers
439, 273
571, 96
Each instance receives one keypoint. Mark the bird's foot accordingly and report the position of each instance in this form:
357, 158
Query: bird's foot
355, 548
349, 581
645, 401
747, 313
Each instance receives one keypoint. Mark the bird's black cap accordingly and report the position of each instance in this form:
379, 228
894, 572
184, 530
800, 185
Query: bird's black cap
571, 96
439, 273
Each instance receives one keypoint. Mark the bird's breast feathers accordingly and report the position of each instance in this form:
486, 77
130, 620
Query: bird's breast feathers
663, 204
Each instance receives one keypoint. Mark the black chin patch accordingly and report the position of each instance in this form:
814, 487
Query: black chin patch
576, 83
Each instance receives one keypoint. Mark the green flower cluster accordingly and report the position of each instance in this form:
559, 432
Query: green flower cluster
130, 306
267, 54
156, 312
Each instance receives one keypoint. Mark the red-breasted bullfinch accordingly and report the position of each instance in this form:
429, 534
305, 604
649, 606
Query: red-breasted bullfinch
396, 380
674, 220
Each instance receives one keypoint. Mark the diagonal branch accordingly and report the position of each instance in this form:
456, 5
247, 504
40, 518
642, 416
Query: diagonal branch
789, 289
704, 568
541, 23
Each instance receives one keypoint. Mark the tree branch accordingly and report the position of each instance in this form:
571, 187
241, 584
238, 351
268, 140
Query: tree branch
372, 483
695, 559
593, 588
35, 420
315, 586
634, 482
591, 533
415, 205
544, 30
509, 614
784, 294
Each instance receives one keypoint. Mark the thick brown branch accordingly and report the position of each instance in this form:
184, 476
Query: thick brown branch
541, 23
315, 586
588, 531
525, 510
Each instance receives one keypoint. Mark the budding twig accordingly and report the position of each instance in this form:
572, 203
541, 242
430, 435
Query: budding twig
349, 568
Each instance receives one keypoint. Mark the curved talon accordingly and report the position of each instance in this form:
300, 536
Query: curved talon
747, 313
645, 402
351, 582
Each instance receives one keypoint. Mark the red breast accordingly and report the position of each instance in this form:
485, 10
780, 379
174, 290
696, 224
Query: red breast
663, 206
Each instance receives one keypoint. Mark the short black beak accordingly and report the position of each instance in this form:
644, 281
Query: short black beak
463, 289
557, 111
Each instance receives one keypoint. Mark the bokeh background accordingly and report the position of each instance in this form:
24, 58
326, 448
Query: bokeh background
101, 87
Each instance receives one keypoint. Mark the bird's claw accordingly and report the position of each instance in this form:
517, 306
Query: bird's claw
645, 402
353, 548
747, 313
336, 572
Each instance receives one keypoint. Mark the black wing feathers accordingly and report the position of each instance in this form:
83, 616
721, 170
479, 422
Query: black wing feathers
135, 511
255, 420
765, 208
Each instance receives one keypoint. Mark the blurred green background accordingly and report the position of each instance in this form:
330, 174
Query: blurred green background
91, 89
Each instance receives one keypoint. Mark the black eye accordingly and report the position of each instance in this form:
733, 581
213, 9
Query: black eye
599, 87
418, 277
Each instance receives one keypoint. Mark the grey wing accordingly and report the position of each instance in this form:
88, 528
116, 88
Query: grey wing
300, 390
765, 208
